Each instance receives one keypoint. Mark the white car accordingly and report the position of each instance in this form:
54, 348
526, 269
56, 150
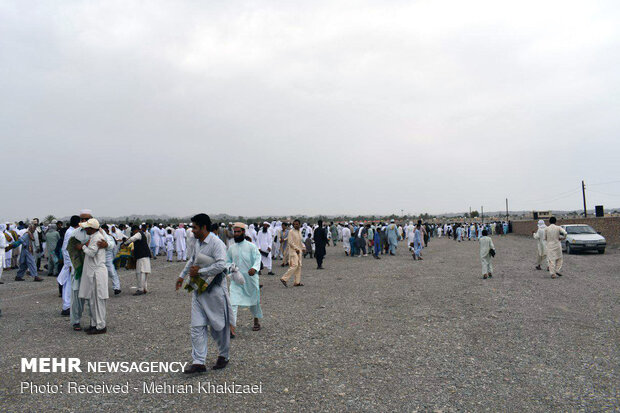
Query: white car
582, 237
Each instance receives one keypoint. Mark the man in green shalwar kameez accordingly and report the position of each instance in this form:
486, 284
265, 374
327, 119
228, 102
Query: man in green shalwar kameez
246, 257
52, 237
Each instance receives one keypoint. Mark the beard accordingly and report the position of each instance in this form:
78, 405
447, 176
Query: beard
239, 239
264, 229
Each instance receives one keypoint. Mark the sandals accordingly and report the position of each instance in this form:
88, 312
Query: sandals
284, 282
77, 327
298, 285
256, 327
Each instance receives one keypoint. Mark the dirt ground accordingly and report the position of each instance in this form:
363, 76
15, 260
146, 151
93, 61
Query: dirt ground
364, 334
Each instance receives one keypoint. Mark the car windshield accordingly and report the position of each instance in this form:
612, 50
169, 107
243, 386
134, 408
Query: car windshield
581, 229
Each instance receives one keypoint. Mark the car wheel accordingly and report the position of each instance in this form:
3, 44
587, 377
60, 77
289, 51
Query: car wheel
601, 251
568, 250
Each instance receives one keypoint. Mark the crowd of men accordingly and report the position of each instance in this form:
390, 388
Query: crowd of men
223, 261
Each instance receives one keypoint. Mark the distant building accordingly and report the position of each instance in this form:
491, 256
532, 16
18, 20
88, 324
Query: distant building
541, 214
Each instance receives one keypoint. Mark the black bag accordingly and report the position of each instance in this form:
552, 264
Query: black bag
492, 252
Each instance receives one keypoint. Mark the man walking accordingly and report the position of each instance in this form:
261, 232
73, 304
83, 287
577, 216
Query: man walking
392, 237
247, 259
346, 235
179, 242
27, 259
541, 247
320, 241
209, 307
51, 238
553, 235
295, 249
142, 255
264, 241
487, 251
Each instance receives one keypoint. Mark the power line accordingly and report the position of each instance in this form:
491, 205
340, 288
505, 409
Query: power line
554, 197
605, 183
560, 197
603, 193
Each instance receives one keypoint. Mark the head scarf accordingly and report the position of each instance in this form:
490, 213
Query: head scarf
541, 224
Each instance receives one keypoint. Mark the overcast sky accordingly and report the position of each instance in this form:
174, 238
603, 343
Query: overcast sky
320, 107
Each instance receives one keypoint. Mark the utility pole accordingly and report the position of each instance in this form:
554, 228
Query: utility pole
583, 190
482, 214
506, 209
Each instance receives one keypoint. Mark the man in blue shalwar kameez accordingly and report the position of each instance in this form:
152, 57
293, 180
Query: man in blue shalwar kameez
417, 242
392, 236
27, 257
247, 258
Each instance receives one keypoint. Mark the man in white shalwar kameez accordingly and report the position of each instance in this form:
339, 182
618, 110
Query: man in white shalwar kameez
109, 260
541, 246
155, 241
3, 245
179, 242
162, 238
247, 258
209, 307
77, 302
277, 238
190, 242
8, 255
264, 242
409, 229
169, 245
251, 232
486, 245
66, 273
346, 234
553, 235
94, 280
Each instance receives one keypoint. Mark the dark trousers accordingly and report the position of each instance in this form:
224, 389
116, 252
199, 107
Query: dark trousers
319, 259
361, 245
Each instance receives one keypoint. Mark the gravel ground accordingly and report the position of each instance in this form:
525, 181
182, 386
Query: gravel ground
364, 334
